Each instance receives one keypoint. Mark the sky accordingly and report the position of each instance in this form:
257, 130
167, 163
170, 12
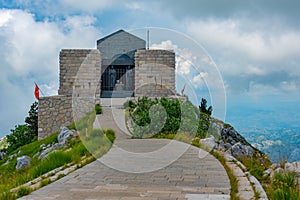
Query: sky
254, 46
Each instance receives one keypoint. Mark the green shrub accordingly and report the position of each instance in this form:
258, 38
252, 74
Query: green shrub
98, 109
110, 134
129, 104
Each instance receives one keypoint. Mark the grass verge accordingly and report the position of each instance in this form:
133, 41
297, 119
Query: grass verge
75, 150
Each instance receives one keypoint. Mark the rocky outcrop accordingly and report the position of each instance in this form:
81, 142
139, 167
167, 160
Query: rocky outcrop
23, 161
239, 150
226, 139
292, 167
64, 136
208, 142
277, 168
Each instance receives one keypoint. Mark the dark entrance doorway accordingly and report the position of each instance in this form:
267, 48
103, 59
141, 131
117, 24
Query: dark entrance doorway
117, 80
117, 76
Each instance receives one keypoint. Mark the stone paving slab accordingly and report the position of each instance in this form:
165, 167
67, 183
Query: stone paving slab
187, 175
195, 174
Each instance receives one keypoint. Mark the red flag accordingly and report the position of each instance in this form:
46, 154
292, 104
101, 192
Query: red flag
37, 92
182, 91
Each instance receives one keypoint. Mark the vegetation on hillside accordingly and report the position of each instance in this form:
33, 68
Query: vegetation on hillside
91, 143
25, 133
169, 118
284, 186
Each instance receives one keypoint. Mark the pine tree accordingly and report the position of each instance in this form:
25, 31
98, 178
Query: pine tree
32, 119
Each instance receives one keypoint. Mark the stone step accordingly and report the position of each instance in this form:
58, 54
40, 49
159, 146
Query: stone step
116, 94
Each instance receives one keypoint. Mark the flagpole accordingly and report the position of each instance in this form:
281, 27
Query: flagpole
40, 89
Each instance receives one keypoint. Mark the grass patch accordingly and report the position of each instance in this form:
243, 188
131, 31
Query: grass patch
232, 178
256, 167
45, 182
60, 176
52, 161
73, 153
23, 191
8, 196
284, 186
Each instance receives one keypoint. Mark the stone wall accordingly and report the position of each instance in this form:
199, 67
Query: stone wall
79, 91
117, 44
154, 73
80, 72
54, 112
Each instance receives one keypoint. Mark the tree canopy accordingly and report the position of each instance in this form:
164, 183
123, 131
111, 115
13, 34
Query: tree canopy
25, 133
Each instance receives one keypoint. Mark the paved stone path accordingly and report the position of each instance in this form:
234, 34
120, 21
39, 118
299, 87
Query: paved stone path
142, 169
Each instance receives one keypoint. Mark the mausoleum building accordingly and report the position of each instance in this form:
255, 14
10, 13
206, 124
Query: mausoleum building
119, 67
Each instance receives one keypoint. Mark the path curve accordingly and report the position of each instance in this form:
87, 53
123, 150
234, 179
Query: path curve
192, 176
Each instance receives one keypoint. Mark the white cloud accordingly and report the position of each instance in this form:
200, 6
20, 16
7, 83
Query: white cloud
259, 45
184, 58
255, 70
165, 45
257, 54
200, 79
29, 52
289, 86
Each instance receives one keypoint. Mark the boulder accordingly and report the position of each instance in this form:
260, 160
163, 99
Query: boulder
221, 146
12, 156
227, 146
23, 161
275, 166
65, 135
45, 152
2, 154
276, 171
240, 150
208, 142
267, 172
50, 149
292, 167
42, 146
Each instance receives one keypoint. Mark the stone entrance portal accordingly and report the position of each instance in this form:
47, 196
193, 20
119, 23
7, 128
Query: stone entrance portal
117, 74
117, 79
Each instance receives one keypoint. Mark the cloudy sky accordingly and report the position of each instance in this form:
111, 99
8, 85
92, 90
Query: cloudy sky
254, 44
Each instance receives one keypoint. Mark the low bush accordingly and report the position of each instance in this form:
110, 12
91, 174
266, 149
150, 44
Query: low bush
98, 109
110, 134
